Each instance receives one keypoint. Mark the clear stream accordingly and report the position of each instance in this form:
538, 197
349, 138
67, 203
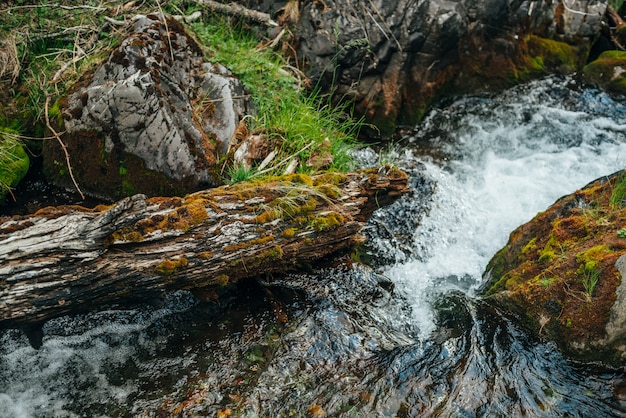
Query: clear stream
407, 337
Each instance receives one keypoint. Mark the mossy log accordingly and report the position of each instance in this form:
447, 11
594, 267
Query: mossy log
67, 259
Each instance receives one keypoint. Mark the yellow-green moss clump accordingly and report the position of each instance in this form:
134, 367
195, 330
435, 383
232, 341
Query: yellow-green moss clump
221, 281
530, 56
327, 221
257, 241
169, 267
184, 214
127, 234
549, 55
257, 260
608, 71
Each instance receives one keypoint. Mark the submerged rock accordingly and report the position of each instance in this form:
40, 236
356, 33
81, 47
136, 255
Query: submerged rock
395, 58
153, 118
562, 272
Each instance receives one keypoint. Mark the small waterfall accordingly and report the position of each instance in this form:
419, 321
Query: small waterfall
405, 338
500, 161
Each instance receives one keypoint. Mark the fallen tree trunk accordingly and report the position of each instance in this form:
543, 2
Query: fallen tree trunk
68, 259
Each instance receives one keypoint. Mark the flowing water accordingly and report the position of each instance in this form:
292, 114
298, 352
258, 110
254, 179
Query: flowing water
405, 337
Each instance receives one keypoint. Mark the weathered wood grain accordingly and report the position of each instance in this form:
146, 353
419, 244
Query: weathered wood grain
67, 259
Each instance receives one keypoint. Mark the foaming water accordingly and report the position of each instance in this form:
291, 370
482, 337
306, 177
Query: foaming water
501, 162
406, 338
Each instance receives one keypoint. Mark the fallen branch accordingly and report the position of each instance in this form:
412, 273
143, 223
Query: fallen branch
616, 29
68, 259
62, 144
235, 9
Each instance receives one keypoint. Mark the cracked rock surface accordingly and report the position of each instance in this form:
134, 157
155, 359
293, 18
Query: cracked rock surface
153, 118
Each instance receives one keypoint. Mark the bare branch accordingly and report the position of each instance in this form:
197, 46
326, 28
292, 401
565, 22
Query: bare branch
63, 147
235, 9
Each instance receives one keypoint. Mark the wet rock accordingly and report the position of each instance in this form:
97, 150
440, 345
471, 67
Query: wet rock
608, 71
391, 231
562, 272
395, 58
153, 118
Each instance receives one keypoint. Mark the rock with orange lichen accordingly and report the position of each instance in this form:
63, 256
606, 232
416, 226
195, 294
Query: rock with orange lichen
561, 273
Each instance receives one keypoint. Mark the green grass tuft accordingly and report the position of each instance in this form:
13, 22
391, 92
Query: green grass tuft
301, 121
591, 274
239, 173
618, 195
14, 162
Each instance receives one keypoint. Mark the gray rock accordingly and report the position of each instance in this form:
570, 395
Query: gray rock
395, 57
154, 104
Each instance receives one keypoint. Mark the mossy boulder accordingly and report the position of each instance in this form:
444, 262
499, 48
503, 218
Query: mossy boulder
396, 65
514, 59
14, 162
561, 273
153, 118
608, 71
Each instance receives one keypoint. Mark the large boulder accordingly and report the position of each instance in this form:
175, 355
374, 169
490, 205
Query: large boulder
394, 58
562, 273
153, 118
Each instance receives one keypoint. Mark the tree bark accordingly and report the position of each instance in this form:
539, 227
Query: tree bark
67, 259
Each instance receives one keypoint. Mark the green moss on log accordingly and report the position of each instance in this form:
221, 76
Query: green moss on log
169, 267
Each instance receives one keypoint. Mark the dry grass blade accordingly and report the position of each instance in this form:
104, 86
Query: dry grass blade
9, 62
63, 147
57, 5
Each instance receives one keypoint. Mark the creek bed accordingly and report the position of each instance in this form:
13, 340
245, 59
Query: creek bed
406, 337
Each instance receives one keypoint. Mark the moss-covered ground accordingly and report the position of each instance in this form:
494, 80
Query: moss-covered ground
558, 271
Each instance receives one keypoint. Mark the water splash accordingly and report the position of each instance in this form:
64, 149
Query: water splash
501, 160
351, 342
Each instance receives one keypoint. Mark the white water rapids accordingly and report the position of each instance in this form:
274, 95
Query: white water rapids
504, 162
351, 347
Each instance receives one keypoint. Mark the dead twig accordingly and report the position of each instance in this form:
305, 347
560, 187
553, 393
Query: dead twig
63, 147
56, 5
115, 22
65, 31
